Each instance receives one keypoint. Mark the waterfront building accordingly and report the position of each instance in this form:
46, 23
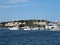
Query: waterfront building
9, 24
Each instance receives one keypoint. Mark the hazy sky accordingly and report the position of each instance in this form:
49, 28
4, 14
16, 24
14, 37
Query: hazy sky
29, 9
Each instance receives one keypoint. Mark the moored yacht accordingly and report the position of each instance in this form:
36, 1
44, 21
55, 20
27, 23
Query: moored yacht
35, 28
26, 28
14, 28
52, 27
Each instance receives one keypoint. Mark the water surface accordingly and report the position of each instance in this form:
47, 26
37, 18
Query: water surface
8, 37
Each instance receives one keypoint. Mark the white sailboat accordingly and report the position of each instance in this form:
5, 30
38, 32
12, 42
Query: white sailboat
15, 26
27, 28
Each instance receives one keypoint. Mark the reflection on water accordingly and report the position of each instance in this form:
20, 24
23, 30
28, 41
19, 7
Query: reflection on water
8, 37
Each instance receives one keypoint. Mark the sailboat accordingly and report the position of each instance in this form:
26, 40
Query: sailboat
14, 27
27, 28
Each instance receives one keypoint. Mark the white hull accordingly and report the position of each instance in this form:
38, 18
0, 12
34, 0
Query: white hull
14, 28
35, 28
27, 29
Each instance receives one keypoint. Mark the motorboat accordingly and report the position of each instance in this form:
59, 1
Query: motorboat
52, 27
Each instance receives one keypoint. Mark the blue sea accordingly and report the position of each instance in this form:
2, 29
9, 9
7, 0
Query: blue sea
21, 37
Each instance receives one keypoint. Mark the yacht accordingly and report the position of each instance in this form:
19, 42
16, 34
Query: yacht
14, 28
35, 28
26, 28
52, 27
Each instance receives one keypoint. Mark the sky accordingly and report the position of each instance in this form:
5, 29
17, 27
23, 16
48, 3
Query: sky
29, 9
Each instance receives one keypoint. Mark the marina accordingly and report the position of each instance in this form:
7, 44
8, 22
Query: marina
29, 22
31, 25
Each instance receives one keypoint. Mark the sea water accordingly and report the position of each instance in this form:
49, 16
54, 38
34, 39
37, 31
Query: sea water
21, 37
